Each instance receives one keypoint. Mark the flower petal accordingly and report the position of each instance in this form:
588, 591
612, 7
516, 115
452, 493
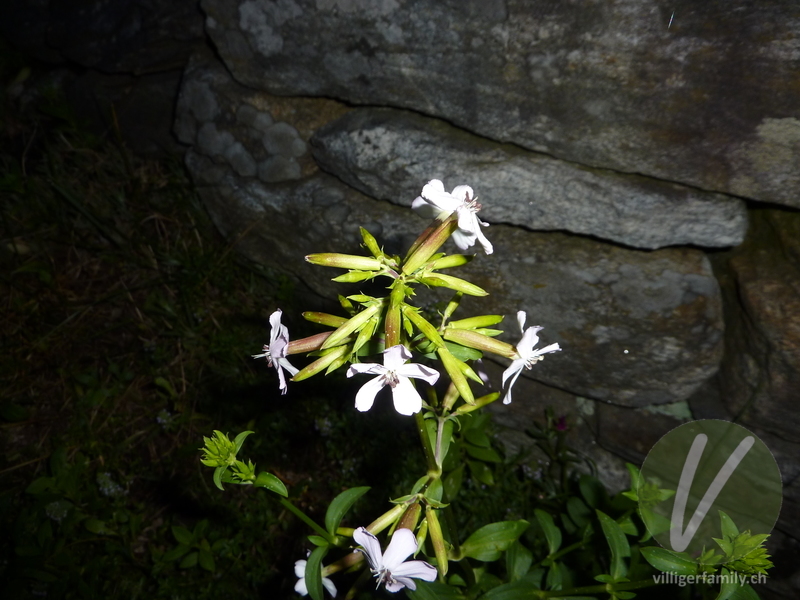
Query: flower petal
403, 544
507, 398
372, 547
425, 209
407, 400
300, 568
284, 362
416, 371
369, 368
528, 341
513, 369
463, 239
463, 193
487, 245
396, 586
419, 569
434, 193
366, 395
547, 350
521, 316
275, 325
328, 585
394, 357
300, 587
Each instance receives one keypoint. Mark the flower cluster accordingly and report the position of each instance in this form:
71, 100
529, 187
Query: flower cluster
401, 332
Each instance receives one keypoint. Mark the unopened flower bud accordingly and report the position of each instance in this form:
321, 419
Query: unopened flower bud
345, 261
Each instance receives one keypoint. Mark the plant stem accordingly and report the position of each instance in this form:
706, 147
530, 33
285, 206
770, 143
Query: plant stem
430, 457
307, 520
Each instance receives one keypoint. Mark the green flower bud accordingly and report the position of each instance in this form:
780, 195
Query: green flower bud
345, 261
219, 450
450, 261
454, 283
473, 339
476, 322
437, 539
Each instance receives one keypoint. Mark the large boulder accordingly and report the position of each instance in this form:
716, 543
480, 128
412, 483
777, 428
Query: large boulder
698, 93
386, 153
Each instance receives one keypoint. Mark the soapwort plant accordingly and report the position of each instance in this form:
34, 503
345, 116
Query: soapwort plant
429, 364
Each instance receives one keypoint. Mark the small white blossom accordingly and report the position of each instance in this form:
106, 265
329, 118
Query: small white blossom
301, 588
393, 372
527, 355
391, 569
436, 202
275, 352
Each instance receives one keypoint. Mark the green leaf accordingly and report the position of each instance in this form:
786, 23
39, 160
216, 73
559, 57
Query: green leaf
734, 591
98, 527
518, 561
578, 511
218, 472
729, 528
206, 560
452, 483
488, 542
39, 485
593, 492
239, 440
516, 590
189, 561
620, 549
551, 533
669, 561
313, 572
484, 454
434, 591
339, 507
272, 483
481, 472
318, 540
176, 553
183, 535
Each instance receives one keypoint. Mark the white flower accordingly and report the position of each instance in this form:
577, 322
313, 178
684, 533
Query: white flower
275, 353
300, 586
435, 202
395, 373
390, 568
527, 355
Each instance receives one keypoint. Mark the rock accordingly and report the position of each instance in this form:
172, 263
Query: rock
637, 328
390, 154
760, 376
708, 99
215, 116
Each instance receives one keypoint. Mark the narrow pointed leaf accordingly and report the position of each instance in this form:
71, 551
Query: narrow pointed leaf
340, 505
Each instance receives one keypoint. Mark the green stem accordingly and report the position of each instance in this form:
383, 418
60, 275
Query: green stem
430, 456
560, 553
307, 520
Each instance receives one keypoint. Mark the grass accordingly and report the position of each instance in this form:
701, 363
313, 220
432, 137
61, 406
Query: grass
128, 325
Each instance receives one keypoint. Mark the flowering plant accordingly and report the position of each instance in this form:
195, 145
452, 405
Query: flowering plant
447, 420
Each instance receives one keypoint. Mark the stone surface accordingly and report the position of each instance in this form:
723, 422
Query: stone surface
760, 377
637, 328
389, 154
709, 100
225, 121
